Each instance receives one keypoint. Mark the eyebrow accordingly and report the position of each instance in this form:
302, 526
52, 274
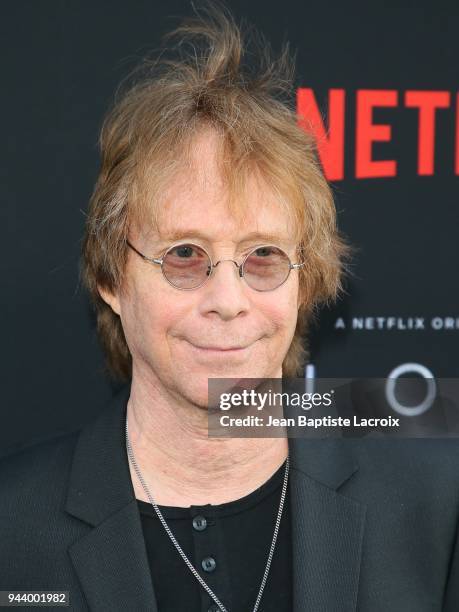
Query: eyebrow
266, 237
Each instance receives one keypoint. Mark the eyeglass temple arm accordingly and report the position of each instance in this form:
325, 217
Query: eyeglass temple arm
150, 259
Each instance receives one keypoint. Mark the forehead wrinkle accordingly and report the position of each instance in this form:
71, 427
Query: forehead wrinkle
266, 237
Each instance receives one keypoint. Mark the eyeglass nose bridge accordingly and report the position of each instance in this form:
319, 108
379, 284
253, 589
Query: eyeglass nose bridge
214, 265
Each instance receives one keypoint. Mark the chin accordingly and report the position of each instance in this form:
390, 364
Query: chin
197, 390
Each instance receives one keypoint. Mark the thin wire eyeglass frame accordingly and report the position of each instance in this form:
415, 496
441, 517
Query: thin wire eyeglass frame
160, 261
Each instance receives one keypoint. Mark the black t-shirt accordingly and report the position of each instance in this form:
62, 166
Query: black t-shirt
232, 541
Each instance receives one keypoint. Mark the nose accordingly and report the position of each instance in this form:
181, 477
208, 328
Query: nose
225, 293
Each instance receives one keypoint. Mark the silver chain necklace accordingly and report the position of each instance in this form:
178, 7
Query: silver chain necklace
179, 548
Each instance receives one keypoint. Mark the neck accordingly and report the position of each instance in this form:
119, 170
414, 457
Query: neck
181, 465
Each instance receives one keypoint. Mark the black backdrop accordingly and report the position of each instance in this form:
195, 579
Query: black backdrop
62, 60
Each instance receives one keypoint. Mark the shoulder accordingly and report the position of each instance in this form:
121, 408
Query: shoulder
377, 454
427, 454
37, 469
35, 530
422, 468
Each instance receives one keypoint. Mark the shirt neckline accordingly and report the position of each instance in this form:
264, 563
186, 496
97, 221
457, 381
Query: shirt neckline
218, 510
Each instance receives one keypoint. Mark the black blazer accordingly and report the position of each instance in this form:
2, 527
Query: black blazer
374, 522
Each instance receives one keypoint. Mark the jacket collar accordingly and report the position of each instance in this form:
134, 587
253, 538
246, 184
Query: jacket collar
111, 559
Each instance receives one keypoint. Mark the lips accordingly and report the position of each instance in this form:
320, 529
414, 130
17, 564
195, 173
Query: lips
220, 348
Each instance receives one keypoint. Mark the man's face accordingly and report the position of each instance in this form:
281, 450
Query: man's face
178, 338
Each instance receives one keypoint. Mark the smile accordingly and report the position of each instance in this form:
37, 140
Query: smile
219, 350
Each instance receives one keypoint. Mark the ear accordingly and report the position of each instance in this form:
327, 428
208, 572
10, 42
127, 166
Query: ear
110, 298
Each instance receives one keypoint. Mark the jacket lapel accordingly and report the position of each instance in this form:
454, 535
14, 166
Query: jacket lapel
327, 527
111, 559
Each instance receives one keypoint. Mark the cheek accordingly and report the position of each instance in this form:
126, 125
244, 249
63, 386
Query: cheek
147, 313
287, 303
282, 313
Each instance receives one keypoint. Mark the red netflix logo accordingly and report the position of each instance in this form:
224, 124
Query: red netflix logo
330, 143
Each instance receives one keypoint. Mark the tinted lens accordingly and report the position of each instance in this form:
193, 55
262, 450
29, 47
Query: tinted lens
186, 266
266, 268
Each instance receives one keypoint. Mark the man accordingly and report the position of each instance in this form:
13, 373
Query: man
210, 240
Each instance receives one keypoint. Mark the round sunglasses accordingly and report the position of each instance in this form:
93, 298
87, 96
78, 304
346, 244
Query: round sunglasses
188, 266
